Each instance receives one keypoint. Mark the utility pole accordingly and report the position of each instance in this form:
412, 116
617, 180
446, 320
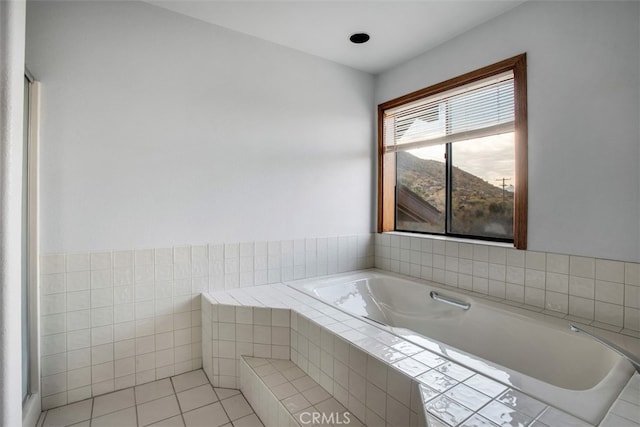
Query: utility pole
504, 185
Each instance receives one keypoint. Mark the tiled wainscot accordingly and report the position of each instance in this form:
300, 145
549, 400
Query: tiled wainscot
114, 319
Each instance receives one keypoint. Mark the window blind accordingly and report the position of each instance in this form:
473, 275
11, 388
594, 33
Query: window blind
471, 111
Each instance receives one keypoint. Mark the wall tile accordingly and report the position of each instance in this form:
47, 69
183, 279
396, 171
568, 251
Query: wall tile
581, 307
582, 267
610, 292
53, 324
54, 364
182, 255
101, 261
631, 297
77, 359
78, 262
555, 301
557, 263
52, 284
102, 354
632, 274
123, 259
535, 260
101, 297
78, 281
515, 258
582, 287
534, 297
51, 264
515, 275
609, 313
610, 271
101, 279
78, 339
53, 304
52, 344
534, 278
77, 320
557, 282
632, 319
497, 289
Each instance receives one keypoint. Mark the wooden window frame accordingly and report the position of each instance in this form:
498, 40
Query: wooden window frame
387, 161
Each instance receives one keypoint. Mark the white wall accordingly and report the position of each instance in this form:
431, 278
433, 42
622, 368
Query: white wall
584, 96
158, 129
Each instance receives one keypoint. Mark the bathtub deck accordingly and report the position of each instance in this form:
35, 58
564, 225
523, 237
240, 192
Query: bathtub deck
445, 404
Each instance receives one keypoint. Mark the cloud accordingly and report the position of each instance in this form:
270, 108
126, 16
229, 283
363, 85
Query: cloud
490, 158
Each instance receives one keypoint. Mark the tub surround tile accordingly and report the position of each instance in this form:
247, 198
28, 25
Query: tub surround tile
631, 297
282, 410
610, 271
582, 267
522, 403
632, 274
611, 292
498, 400
613, 420
557, 302
535, 260
557, 263
455, 371
411, 367
529, 277
448, 410
468, 397
552, 416
478, 421
626, 410
453, 395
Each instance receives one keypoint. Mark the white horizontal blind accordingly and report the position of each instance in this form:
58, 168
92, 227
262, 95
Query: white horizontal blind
471, 111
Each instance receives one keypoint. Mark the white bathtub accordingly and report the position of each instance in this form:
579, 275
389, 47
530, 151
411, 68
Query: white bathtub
567, 370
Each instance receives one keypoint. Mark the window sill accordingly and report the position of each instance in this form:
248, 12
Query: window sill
451, 239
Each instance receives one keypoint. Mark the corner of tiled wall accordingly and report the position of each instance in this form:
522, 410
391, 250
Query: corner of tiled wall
604, 293
114, 319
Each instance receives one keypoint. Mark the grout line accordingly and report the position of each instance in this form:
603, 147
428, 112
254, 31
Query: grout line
93, 401
135, 404
225, 409
178, 400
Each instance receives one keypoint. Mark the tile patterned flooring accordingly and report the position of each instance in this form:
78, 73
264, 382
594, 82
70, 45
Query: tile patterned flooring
186, 400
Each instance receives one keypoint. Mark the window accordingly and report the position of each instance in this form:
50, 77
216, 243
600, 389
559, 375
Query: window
452, 158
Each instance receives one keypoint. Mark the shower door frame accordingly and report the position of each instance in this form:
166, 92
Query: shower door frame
32, 405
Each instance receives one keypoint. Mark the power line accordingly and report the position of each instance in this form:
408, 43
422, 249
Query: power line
504, 186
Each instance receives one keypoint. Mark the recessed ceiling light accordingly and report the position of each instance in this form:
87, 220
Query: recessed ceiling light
359, 38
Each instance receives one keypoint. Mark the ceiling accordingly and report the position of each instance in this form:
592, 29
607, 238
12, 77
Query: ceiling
399, 29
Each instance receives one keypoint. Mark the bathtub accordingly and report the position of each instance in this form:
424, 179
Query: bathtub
545, 360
